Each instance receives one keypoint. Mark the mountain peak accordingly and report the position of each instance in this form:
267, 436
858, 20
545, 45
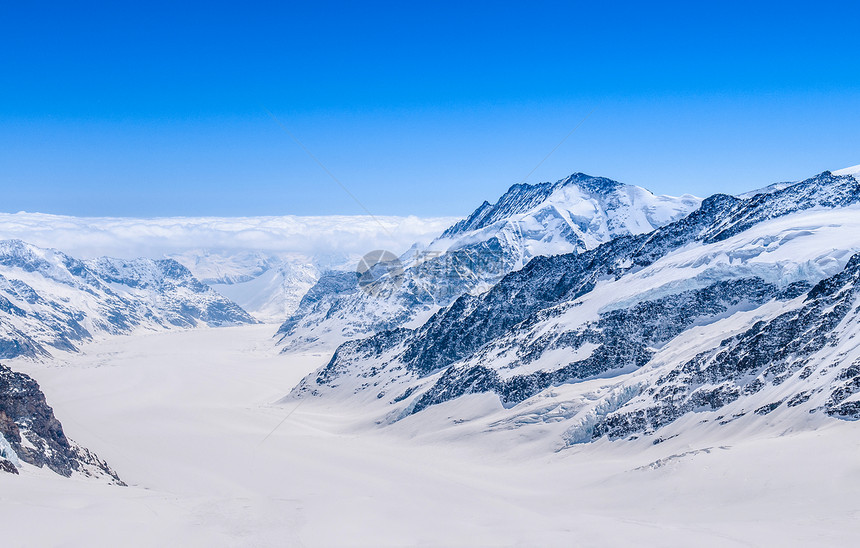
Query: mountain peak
523, 197
589, 202
571, 215
598, 185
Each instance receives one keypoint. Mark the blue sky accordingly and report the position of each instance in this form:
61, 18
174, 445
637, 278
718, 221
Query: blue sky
157, 109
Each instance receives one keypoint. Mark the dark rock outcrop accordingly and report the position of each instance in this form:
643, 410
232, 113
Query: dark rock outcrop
32, 431
624, 339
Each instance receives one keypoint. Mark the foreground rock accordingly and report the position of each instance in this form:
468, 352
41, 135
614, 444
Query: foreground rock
30, 432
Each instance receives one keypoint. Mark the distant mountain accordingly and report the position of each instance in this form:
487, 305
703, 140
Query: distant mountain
263, 264
268, 285
743, 308
274, 294
572, 215
592, 209
29, 432
49, 300
216, 267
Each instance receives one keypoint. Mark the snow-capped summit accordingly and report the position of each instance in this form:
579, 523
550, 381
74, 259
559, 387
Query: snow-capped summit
581, 210
572, 215
577, 193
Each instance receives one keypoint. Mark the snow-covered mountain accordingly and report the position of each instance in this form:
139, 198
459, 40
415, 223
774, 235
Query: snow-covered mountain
49, 300
572, 215
268, 285
745, 308
276, 293
264, 264
586, 210
227, 267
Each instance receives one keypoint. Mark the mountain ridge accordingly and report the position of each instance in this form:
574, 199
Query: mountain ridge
571, 215
50, 300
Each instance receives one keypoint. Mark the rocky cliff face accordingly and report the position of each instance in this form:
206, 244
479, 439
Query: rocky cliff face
29, 432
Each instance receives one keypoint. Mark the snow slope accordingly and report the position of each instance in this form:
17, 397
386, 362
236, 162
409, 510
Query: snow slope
854, 170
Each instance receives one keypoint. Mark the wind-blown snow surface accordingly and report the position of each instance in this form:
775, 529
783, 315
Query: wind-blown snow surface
189, 435
854, 170
574, 214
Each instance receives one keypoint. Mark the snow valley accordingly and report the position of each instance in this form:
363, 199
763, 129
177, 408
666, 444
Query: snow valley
580, 362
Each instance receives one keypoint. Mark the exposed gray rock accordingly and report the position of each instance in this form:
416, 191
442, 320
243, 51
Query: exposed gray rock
28, 425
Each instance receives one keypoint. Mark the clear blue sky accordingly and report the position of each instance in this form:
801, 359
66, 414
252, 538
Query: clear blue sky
152, 109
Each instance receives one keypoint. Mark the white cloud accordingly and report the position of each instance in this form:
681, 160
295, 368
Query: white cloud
87, 237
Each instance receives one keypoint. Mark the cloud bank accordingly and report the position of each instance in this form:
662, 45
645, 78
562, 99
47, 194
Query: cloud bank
88, 237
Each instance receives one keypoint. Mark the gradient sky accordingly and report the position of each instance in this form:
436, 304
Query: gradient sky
158, 109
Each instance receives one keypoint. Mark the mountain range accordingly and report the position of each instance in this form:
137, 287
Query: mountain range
51, 301
745, 308
580, 311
